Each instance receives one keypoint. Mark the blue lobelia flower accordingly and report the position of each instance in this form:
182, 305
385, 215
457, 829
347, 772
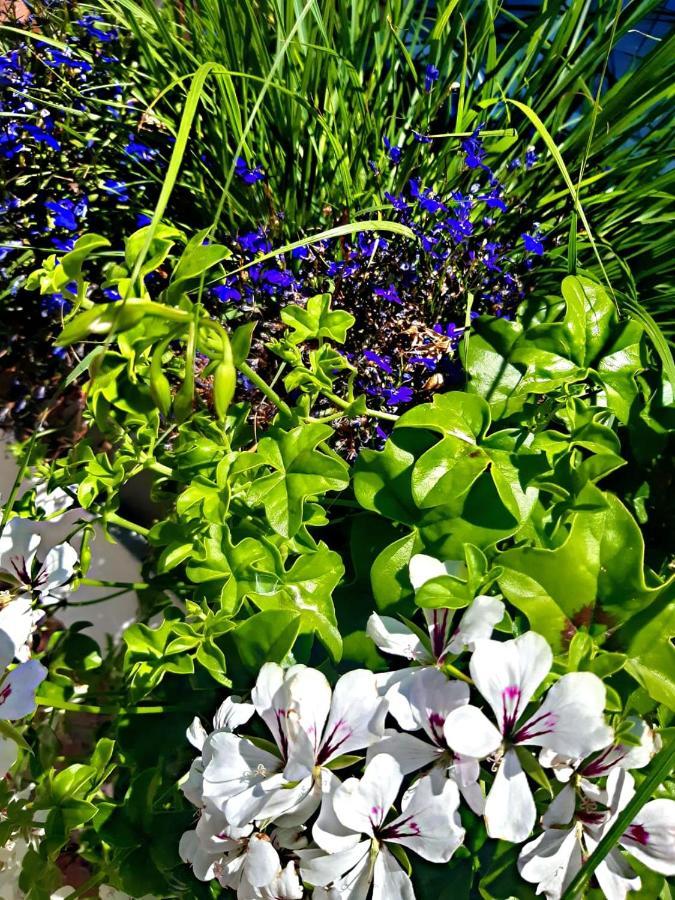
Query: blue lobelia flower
225, 293
473, 150
431, 74
138, 150
394, 153
394, 396
248, 175
91, 23
54, 59
42, 136
390, 294
116, 188
533, 243
382, 362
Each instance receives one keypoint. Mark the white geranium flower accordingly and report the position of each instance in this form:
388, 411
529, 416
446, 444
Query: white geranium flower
346, 864
230, 715
310, 730
569, 721
45, 574
431, 698
17, 688
19, 620
250, 864
571, 834
625, 756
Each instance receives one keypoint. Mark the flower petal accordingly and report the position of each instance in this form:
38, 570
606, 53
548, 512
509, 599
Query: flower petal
650, 838
433, 698
423, 568
468, 731
17, 691
232, 713
561, 809
614, 875
362, 804
390, 882
392, 636
429, 822
320, 869
509, 809
357, 715
477, 623
8, 755
507, 674
196, 733
551, 861
570, 720
328, 831
410, 752
17, 621
262, 861
58, 567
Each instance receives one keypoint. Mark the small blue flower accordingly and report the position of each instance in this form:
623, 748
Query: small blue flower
421, 138
373, 167
112, 293
117, 188
473, 150
225, 293
397, 201
247, 175
279, 277
90, 24
493, 200
42, 136
300, 252
63, 213
142, 220
56, 58
394, 153
531, 157
394, 396
254, 242
65, 245
431, 74
138, 150
382, 362
390, 294
533, 244
425, 361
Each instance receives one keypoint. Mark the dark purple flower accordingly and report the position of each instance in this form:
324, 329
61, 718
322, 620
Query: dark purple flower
394, 396
225, 293
254, 242
473, 150
382, 362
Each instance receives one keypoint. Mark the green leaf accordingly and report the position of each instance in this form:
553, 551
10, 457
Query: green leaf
267, 636
317, 320
162, 240
196, 259
299, 471
389, 577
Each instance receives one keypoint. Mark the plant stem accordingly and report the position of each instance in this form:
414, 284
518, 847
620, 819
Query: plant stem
343, 404
129, 585
114, 519
105, 710
661, 768
265, 389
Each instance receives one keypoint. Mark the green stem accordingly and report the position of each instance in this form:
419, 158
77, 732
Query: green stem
375, 413
113, 519
661, 768
129, 585
105, 710
160, 468
265, 389
449, 669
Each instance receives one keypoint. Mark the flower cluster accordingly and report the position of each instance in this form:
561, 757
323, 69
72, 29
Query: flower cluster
275, 818
409, 299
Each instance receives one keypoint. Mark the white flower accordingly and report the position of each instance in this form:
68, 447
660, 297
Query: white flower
17, 688
553, 859
428, 824
431, 698
310, 730
43, 574
106, 892
230, 715
569, 721
18, 619
625, 756
248, 864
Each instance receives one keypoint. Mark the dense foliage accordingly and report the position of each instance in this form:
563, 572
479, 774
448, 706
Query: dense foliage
401, 440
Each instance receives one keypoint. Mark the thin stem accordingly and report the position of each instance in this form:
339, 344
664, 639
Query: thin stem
114, 519
50, 702
375, 413
129, 585
265, 389
160, 468
451, 670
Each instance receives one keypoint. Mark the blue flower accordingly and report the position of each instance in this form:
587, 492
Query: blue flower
421, 138
394, 396
300, 252
382, 362
531, 157
373, 167
90, 24
142, 220
225, 293
280, 277
394, 153
389, 294
397, 201
64, 214
65, 245
54, 303
473, 150
57, 58
493, 200
138, 150
450, 330
431, 74
426, 198
254, 242
112, 293
117, 188
533, 244
425, 361
42, 136
248, 176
